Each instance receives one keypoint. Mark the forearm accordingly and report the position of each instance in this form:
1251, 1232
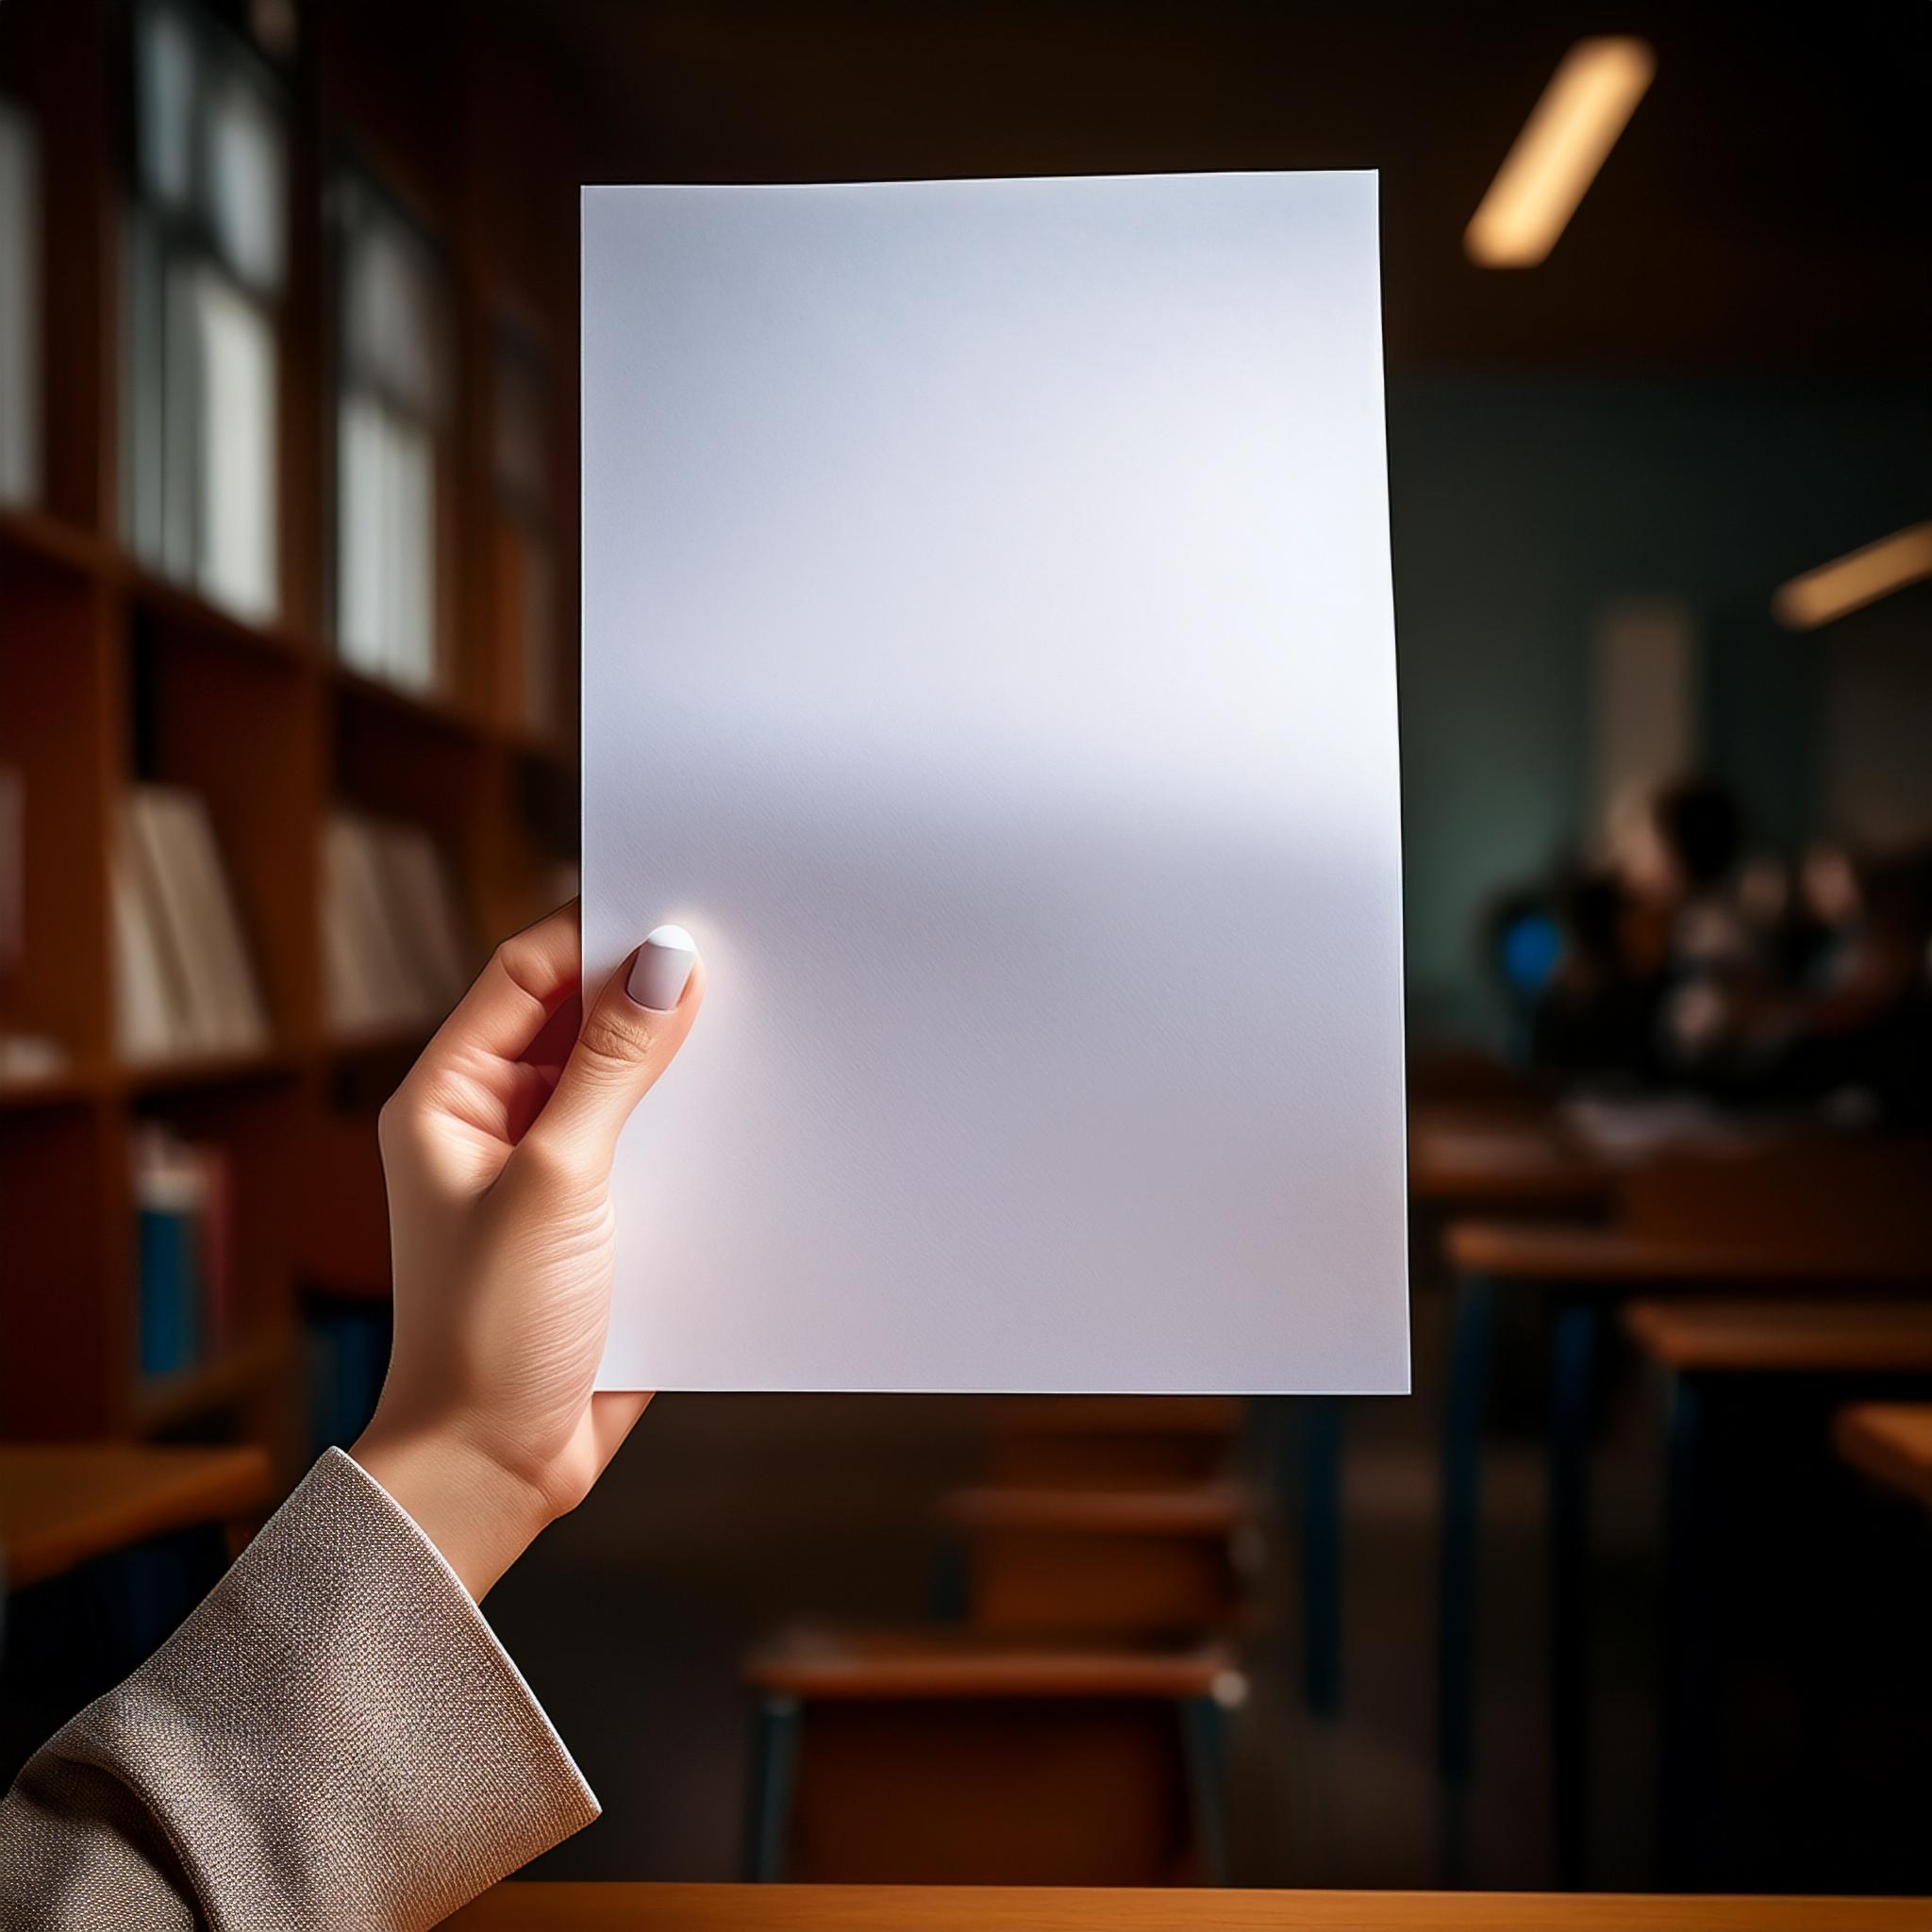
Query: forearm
334, 1739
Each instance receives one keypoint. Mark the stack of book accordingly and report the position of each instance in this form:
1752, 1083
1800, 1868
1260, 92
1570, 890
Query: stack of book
20, 307
184, 980
397, 953
184, 1247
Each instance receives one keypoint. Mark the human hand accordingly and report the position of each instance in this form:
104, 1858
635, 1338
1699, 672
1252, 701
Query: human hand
496, 1150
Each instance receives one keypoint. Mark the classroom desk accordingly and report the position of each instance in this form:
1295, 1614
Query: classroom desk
64, 1502
562, 1907
1891, 1442
1703, 1347
1460, 1159
1580, 1271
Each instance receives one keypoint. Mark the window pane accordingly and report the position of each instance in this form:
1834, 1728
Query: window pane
20, 307
246, 184
237, 444
359, 624
395, 332
412, 556
164, 106
386, 544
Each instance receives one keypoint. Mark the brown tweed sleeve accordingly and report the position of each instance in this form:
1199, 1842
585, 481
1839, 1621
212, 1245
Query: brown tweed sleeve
333, 1739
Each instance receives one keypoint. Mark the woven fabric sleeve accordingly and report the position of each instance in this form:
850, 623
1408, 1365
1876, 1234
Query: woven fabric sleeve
334, 1739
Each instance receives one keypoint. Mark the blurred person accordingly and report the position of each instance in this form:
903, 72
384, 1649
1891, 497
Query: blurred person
1864, 1021
1597, 1012
1681, 869
335, 1738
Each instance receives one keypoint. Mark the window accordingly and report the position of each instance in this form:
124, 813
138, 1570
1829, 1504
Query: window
20, 307
207, 244
393, 408
527, 541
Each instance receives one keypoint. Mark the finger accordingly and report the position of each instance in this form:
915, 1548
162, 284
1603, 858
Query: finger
528, 977
629, 1037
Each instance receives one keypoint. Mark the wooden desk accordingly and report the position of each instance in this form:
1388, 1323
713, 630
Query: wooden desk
1891, 1442
1582, 1270
1459, 1160
552, 1908
63, 1503
1704, 1346
1826, 1337
1619, 1261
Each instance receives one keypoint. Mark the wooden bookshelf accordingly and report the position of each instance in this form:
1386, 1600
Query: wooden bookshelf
112, 673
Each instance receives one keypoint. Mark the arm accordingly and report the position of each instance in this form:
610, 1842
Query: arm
335, 1738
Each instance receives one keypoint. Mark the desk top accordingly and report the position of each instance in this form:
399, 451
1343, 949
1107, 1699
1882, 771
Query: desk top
1167, 1509
531, 1907
818, 1663
1460, 1159
1785, 1338
1612, 1258
1891, 1442
62, 1503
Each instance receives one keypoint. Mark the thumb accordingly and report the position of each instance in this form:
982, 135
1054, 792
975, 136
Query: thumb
628, 1039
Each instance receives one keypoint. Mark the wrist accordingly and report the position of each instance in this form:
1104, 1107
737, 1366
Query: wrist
480, 1516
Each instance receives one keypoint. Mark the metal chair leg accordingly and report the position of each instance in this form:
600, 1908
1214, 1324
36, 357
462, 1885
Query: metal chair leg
1469, 1363
774, 1770
1572, 1373
1684, 1783
1205, 1743
1320, 1512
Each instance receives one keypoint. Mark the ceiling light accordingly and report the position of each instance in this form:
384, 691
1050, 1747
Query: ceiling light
1862, 577
1569, 133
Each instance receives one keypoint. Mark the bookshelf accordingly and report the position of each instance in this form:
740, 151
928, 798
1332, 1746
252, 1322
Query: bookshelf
113, 674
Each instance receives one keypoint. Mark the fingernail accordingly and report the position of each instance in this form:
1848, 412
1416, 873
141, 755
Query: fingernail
663, 965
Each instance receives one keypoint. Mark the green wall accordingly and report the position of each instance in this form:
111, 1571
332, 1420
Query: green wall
1521, 507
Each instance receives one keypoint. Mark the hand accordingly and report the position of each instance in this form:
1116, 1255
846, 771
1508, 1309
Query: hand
496, 1150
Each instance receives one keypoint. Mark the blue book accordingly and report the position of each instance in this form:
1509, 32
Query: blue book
170, 1292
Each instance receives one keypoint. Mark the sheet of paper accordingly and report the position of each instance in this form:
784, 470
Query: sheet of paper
988, 655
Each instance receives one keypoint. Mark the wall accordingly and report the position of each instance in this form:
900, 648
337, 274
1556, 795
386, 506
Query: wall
1522, 508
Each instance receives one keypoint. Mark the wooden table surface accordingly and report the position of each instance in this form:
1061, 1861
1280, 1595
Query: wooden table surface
814, 1662
62, 1503
1891, 1442
1459, 1160
1616, 1258
1785, 1338
552, 1908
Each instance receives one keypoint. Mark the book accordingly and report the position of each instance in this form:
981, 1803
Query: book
146, 1026
170, 1201
185, 982
20, 381
236, 547
397, 951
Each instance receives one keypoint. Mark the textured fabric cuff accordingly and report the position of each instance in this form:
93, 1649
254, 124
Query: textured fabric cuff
335, 1738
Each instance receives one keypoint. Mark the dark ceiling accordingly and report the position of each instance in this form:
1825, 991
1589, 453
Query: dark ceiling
1765, 212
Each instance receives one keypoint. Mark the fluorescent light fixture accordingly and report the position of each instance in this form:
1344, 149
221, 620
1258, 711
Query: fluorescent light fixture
1861, 577
1569, 133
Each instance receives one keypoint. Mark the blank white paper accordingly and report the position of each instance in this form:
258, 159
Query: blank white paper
988, 656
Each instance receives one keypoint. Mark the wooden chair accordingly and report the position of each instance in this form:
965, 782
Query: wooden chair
1892, 1443
963, 1759
1700, 1346
1112, 1441
1106, 1560
1789, 1214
